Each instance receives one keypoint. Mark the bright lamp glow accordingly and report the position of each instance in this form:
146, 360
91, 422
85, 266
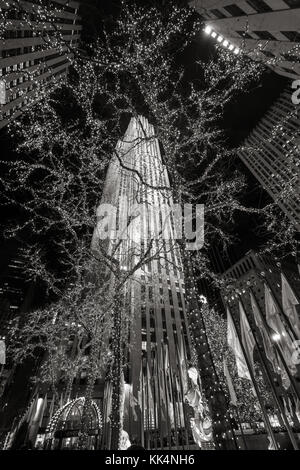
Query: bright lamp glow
220, 38
213, 34
225, 43
236, 50
231, 47
207, 29
276, 337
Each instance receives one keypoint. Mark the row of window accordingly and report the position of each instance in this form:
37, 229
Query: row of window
258, 5
17, 34
293, 36
27, 100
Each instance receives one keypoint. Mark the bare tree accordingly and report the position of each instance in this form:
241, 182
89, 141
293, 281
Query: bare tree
65, 145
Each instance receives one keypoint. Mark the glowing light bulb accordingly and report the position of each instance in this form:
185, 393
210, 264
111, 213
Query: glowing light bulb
220, 38
207, 29
276, 337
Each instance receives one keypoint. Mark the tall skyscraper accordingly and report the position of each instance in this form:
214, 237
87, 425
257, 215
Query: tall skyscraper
266, 30
271, 153
37, 42
158, 341
162, 403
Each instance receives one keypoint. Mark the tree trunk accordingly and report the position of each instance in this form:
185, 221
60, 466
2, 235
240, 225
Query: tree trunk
116, 376
87, 407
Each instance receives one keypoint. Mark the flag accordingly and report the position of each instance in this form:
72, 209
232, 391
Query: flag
232, 394
284, 376
297, 411
2, 352
289, 302
133, 403
280, 335
31, 409
141, 389
183, 368
269, 350
246, 335
150, 403
168, 385
291, 408
160, 393
234, 344
45, 403
286, 409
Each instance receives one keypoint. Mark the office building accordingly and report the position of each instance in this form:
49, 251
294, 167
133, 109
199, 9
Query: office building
266, 30
37, 44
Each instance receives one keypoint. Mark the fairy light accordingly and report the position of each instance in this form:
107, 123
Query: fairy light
208, 29
72, 185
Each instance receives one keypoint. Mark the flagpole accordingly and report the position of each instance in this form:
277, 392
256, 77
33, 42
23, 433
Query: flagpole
142, 410
166, 396
273, 388
159, 397
172, 394
185, 423
278, 350
154, 404
184, 408
148, 408
265, 416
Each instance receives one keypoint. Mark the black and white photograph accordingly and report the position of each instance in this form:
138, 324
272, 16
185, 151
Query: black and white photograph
150, 219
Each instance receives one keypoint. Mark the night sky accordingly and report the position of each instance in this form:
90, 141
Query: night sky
239, 118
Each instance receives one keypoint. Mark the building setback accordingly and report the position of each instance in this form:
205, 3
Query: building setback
266, 30
37, 43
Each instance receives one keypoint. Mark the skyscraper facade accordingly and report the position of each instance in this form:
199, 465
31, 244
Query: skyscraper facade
37, 43
16, 298
266, 30
158, 346
271, 152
